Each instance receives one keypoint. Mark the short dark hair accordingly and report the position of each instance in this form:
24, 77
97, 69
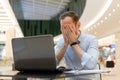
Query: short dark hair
71, 14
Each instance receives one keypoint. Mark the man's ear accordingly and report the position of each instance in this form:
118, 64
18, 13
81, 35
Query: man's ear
78, 24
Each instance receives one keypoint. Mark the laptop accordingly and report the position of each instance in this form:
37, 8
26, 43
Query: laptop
34, 53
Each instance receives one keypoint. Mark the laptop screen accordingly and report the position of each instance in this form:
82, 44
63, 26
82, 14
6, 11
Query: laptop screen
34, 53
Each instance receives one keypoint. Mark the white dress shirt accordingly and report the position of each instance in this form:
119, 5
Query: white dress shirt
89, 60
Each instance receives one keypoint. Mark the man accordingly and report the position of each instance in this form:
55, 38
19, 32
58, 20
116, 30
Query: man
79, 50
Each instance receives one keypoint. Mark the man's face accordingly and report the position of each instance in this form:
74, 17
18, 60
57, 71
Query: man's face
66, 21
69, 22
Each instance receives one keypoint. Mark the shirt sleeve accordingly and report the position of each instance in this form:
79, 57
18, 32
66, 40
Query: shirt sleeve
90, 57
57, 48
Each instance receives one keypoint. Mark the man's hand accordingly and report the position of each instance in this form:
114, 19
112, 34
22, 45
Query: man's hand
64, 32
72, 33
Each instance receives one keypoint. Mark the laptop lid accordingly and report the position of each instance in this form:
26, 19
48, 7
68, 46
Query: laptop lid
34, 53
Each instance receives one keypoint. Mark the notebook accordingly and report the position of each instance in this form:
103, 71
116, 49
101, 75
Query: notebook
34, 53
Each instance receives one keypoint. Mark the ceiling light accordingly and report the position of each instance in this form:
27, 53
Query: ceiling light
101, 21
118, 5
95, 26
113, 10
91, 28
98, 23
106, 6
109, 14
106, 18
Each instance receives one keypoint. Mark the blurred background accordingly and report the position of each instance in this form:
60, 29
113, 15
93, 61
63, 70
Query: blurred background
19, 18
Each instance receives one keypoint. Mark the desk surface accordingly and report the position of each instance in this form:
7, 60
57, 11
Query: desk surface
50, 75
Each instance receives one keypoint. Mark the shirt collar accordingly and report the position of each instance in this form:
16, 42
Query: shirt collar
81, 36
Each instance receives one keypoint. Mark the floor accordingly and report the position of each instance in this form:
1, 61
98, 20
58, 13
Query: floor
113, 75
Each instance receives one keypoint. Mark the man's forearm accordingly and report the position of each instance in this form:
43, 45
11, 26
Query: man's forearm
78, 50
89, 61
61, 52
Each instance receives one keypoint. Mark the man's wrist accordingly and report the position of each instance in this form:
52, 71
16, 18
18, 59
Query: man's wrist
65, 44
74, 43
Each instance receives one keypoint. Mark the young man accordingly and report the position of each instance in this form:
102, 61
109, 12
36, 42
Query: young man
79, 50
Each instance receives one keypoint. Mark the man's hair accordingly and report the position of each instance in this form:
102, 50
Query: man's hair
71, 14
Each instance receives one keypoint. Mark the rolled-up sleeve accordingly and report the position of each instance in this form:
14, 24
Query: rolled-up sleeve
57, 48
89, 59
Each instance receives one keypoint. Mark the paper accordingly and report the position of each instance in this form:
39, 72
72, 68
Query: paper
87, 71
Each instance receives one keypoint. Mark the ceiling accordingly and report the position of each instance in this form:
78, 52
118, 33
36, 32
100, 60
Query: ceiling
101, 20
102, 17
7, 17
4, 18
33, 9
